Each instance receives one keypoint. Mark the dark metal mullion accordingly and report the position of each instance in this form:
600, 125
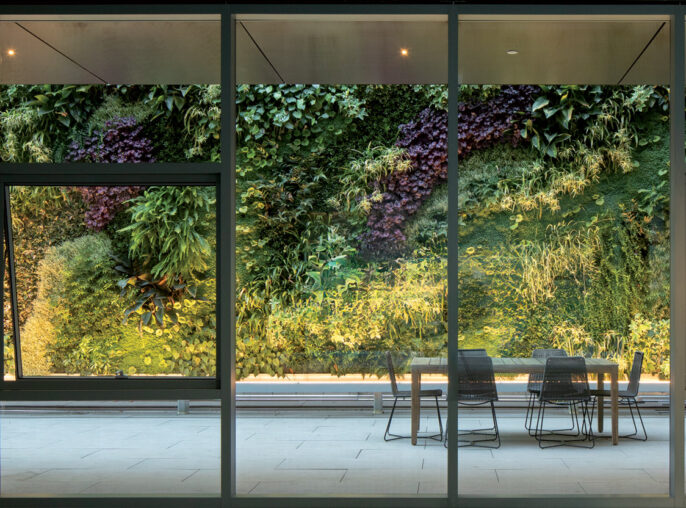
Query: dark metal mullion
677, 254
2, 295
114, 179
453, 302
226, 280
124, 168
94, 384
113, 9
9, 245
245, 8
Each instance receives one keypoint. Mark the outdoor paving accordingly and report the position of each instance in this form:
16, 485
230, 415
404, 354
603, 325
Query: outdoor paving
314, 452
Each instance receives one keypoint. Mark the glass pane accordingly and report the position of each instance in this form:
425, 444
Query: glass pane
78, 90
341, 254
112, 448
117, 280
564, 245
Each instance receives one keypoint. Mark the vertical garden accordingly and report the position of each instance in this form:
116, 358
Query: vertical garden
342, 213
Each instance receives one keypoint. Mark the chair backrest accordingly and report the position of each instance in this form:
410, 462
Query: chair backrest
565, 378
472, 352
475, 378
635, 375
391, 373
535, 378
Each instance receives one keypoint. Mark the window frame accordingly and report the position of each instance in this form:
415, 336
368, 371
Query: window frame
223, 175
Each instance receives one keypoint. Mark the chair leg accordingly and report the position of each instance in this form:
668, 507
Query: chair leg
386, 435
532, 402
529, 413
629, 400
440, 422
495, 424
584, 432
633, 435
492, 436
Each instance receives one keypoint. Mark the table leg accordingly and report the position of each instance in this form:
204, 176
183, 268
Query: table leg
614, 395
416, 386
601, 402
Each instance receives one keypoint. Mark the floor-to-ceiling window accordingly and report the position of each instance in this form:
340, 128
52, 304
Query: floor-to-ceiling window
341, 258
564, 250
109, 173
129, 311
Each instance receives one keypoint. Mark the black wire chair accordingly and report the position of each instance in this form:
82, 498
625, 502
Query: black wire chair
404, 394
534, 387
565, 383
628, 397
475, 387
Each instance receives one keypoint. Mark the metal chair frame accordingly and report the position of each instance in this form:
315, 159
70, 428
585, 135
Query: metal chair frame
571, 399
397, 394
489, 434
534, 389
628, 397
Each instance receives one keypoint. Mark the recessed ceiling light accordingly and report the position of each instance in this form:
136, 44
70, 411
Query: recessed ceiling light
404, 52
11, 52
512, 52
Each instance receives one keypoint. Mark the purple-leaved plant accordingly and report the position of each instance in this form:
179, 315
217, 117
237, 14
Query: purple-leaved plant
480, 125
122, 140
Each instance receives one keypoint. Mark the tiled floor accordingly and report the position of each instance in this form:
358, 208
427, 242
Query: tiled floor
307, 453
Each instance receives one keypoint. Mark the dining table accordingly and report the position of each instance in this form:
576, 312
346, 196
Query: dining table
597, 366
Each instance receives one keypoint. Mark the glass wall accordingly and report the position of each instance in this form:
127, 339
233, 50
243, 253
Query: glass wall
341, 252
564, 251
110, 272
562, 255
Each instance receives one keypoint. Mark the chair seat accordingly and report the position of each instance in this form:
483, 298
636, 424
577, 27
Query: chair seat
607, 393
476, 398
422, 393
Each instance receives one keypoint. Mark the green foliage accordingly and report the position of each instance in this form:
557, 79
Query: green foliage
348, 327
202, 122
169, 230
564, 243
23, 139
427, 233
113, 107
75, 324
360, 179
435, 95
275, 122
172, 245
9, 355
590, 274
567, 114
38, 122
35, 230
283, 220
72, 327
386, 107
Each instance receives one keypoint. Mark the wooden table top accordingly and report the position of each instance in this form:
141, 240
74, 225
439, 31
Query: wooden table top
508, 365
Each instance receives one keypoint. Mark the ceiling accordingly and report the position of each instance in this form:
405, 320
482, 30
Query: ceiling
335, 49
133, 51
